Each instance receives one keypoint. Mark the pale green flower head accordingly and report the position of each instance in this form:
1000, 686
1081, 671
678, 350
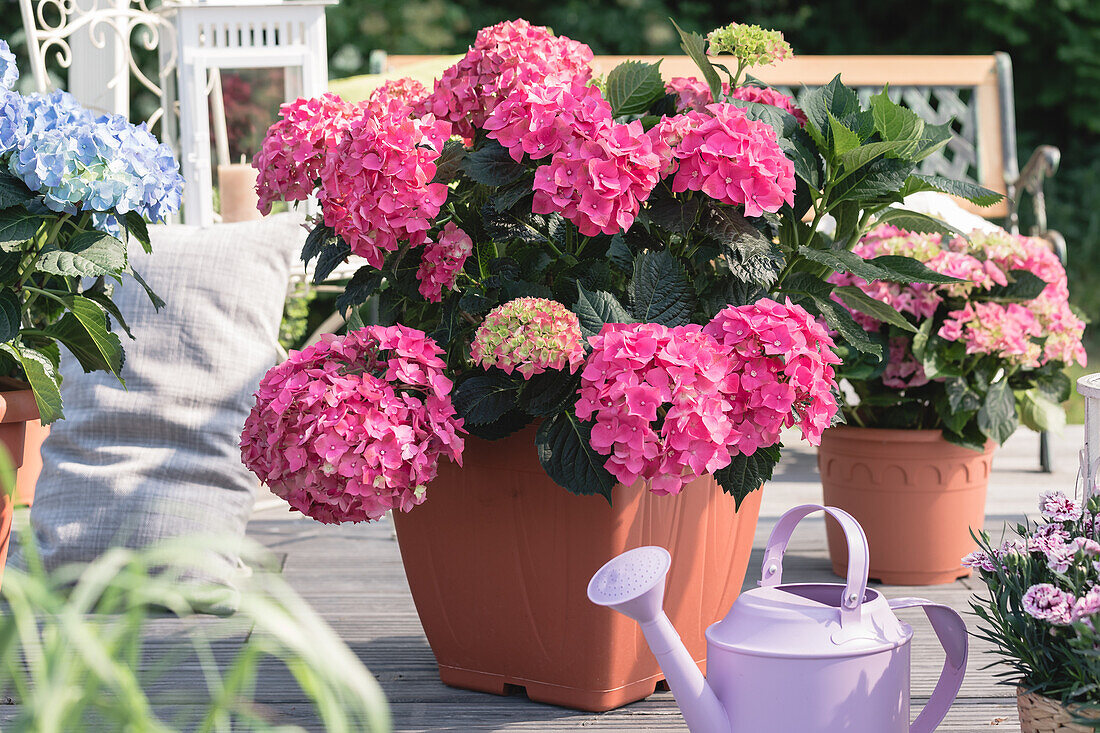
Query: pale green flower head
750, 44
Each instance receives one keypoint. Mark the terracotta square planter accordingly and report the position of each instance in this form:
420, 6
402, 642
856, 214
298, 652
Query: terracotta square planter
498, 559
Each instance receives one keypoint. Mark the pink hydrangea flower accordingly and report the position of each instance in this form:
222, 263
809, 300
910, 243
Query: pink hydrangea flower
1008, 331
293, 150
399, 95
767, 95
640, 371
784, 359
376, 186
529, 335
442, 261
504, 58
540, 119
903, 370
734, 160
1057, 507
1047, 603
692, 93
354, 426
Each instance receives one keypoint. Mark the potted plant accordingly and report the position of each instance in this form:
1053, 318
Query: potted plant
615, 288
1041, 612
74, 189
964, 364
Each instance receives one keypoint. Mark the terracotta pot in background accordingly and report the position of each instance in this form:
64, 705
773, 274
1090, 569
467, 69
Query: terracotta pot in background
16, 408
1040, 714
916, 495
499, 557
27, 475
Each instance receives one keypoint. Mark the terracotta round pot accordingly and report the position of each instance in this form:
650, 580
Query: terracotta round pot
27, 476
16, 408
499, 557
1040, 714
916, 495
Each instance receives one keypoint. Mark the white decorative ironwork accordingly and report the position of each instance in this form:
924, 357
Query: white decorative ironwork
51, 24
1089, 387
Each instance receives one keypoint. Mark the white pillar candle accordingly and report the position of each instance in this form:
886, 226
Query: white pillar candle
237, 188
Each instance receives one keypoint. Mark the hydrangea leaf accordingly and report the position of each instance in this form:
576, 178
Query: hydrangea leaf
972, 192
334, 253
633, 86
43, 378
695, 46
13, 192
997, 417
17, 226
492, 165
750, 255
859, 301
9, 316
88, 254
595, 309
659, 290
1039, 412
482, 398
316, 241
363, 284
138, 229
914, 221
1023, 285
746, 474
832, 98
83, 331
567, 456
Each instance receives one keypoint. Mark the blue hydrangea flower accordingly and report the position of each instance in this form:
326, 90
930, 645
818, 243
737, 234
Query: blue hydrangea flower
9, 72
81, 163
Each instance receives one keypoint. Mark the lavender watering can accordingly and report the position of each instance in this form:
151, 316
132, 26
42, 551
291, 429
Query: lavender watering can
794, 657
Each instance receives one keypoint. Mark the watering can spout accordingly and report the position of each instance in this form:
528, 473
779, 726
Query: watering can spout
634, 585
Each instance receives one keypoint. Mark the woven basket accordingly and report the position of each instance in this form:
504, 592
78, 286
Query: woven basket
1040, 714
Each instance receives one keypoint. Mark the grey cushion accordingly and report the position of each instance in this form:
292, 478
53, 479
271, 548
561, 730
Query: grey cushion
159, 458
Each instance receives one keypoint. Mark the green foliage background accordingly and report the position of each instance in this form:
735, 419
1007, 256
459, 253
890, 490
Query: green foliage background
1055, 46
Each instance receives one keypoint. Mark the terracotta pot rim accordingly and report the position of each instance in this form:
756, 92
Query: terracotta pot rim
892, 435
17, 405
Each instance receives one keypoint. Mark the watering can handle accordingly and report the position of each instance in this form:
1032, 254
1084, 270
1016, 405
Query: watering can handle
858, 555
951, 630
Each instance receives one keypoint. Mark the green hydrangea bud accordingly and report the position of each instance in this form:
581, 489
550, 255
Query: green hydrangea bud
749, 44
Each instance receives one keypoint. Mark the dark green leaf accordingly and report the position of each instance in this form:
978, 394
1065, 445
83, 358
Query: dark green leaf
864, 154
660, 291
746, 474
506, 425
482, 398
567, 456
750, 255
877, 180
449, 161
1023, 286
334, 253
1039, 412
632, 87
83, 331
508, 196
138, 229
363, 284
9, 315
355, 321
844, 140
833, 98
858, 300
997, 416
978, 195
619, 253
695, 46
318, 238
916, 222
13, 191
970, 437
841, 321
492, 165
594, 310
960, 398
672, 214
88, 254
101, 296
153, 297
550, 392
902, 269
17, 226
894, 122
894, 268
44, 381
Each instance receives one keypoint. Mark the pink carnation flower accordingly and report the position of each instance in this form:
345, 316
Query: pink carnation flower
376, 186
1087, 606
504, 58
734, 160
293, 150
442, 261
1057, 507
979, 560
354, 426
1047, 603
529, 335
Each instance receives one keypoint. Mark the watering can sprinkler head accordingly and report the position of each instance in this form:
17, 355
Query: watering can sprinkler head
633, 583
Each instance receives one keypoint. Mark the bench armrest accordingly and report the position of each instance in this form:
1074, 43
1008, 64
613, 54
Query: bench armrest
1042, 164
